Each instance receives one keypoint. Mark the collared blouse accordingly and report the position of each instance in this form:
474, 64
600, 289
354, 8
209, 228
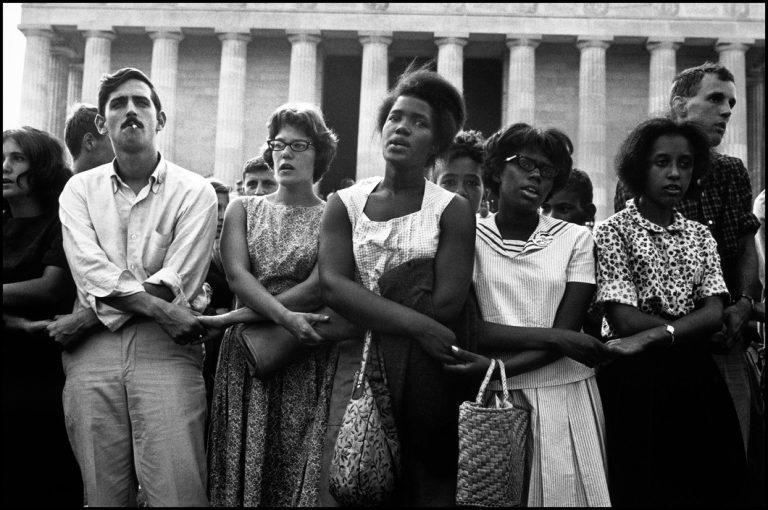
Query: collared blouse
661, 271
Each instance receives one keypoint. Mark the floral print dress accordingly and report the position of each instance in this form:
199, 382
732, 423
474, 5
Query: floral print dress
265, 440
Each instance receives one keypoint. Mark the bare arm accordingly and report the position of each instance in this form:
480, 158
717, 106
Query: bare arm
43, 291
689, 329
368, 310
454, 260
737, 315
234, 254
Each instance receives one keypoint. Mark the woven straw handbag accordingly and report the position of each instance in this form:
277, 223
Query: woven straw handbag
491, 448
366, 456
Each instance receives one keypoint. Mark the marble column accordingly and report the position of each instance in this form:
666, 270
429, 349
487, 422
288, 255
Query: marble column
74, 83
505, 87
59, 75
663, 69
756, 123
373, 88
521, 73
96, 62
733, 56
320, 76
230, 117
590, 153
450, 57
165, 70
36, 77
302, 81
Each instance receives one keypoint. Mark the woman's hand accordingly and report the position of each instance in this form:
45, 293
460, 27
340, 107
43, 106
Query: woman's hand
584, 348
300, 324
630, 345
468, 365
437, 340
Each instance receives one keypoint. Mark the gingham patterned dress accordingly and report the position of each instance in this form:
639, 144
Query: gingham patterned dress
382, 245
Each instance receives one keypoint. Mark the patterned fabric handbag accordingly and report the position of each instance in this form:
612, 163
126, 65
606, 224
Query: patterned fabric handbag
366, 456
492, 437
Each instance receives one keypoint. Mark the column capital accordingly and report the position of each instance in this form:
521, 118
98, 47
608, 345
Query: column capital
663, 43
756, 70
36, 30
310, 36
367, 37
76, 65
442, 40
532, 40
733, 44
234, 36
101, 34
173, 33
585, 41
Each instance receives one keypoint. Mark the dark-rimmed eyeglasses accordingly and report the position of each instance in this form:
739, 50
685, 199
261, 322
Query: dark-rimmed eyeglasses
530, 164
296, 145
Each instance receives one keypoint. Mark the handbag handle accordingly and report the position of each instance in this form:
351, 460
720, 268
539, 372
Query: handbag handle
486, 380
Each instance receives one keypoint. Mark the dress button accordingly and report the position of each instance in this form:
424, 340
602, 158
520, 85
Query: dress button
133, 236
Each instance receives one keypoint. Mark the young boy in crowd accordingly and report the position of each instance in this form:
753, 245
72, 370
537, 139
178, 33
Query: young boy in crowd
573, 203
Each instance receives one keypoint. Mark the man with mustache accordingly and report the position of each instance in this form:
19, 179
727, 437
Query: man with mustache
138, 234
705, 96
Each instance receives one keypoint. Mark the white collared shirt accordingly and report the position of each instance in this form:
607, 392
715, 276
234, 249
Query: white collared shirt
116, 240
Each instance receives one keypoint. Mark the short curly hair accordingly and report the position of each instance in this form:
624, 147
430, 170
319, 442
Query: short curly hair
633, 158
446, 101
552, 142
48, 170
309, 119
466, 144
581, 184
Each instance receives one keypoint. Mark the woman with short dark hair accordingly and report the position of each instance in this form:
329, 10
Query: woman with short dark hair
266, 436
36, 286
534, 277
672, 431
379, 225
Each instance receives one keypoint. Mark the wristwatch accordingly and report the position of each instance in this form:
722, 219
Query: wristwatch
669, 328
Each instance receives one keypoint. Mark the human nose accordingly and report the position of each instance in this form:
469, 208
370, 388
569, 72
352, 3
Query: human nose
674, 171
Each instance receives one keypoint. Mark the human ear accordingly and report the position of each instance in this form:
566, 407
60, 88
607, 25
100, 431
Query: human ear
160, 121
679, 107
100, 124
87, 142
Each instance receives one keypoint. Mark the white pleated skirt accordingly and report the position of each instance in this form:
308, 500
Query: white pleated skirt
567, 456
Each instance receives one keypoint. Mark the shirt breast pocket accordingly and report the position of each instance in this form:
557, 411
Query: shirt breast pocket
154, 254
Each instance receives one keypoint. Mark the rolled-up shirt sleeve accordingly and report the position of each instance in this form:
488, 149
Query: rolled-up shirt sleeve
189, 254
92, 270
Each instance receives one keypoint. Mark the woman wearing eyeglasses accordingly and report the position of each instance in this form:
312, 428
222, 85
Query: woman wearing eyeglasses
534, 277
266, 437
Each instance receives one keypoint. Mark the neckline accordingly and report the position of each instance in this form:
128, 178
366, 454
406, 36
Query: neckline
370, 191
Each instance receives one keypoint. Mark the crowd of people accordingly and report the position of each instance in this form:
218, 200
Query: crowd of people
132, 286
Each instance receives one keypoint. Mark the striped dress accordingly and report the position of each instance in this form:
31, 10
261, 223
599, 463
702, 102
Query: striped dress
521, 283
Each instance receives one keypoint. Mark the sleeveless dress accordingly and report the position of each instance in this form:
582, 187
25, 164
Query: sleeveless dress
265, 440
378, 247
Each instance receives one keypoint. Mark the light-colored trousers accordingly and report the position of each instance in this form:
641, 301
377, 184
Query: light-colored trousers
134, 405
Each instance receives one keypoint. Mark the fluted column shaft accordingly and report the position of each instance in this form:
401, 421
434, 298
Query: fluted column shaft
590, 151
59, 74
302, 80
733, 56
663, 69
450, 58
35, 94
74, 83
96, 62
165, 70
230, 117
521, 79
373, 87
756, 131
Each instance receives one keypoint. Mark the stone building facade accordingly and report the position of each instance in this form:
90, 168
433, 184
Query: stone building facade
593, 70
